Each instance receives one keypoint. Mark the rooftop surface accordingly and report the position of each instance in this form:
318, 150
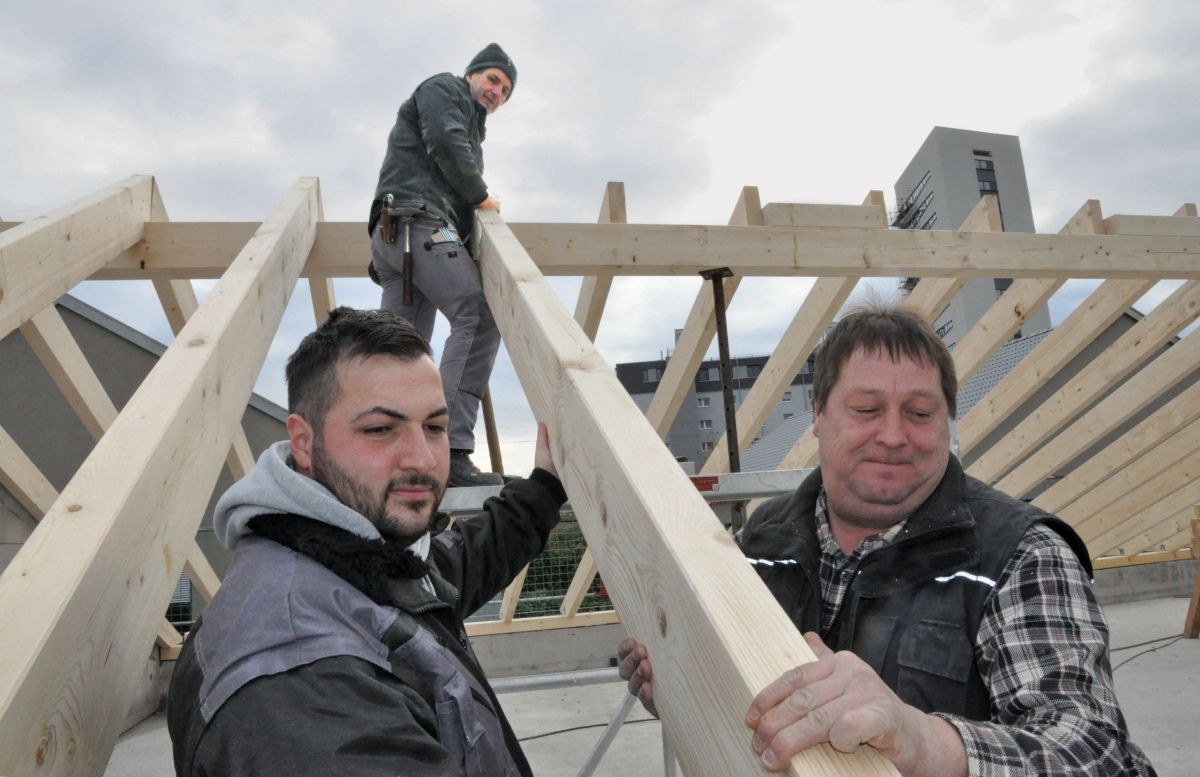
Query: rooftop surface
1157, 677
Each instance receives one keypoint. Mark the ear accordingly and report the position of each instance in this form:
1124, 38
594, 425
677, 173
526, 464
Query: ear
300, 435
816, 423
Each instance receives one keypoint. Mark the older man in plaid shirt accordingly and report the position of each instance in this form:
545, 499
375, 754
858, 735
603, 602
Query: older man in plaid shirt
955, 627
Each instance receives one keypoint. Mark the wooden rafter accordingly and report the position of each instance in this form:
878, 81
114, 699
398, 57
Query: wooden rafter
103, 561
657, 543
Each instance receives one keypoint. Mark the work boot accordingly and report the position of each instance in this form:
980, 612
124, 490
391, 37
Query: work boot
464, 473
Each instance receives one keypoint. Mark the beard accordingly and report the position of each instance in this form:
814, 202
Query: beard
374, 506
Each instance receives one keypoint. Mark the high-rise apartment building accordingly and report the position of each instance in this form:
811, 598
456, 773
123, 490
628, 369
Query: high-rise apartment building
939, 188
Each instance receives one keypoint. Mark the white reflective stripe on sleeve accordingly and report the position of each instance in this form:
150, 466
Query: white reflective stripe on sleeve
766, 562
977, 578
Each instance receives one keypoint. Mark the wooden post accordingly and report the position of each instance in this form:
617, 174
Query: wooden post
1191, 624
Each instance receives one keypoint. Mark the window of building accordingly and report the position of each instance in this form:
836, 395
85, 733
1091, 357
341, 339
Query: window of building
985, 164
651, 375
987, 187
705, 423
787, 396
945, 328
705, 447
702, 401
786, 416
739, 372
754, 370
979, 152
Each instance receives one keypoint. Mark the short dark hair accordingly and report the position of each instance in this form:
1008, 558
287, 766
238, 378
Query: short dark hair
876, 327
347, 334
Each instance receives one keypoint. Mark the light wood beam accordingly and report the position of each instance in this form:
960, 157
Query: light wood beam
521, 625
1123, 357
1157, 486
593, 294
1116, 408
1114, 562
1122, 533
698, 332
1152, 225
588, 310
823, 302
1178, 413
55, 347
676, 577
1113, 494
1095, 314
932, 295
1016, 304
1186, 209
202, 250
512, 595
1191, 623
324, 299
44, 258
102, 563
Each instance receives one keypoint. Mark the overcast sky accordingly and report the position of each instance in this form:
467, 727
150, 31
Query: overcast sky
227, 104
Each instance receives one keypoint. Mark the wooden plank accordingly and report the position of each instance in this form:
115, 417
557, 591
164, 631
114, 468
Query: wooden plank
324, 298
179, 302
1124, 533
674, 574
1094, 315
1191, 623
56, 349
103, 562
932, 295
1020, 300
1094, 381
1114, 493
180, 250
1152, 225
588, 311
22, 478
1176, 414
1121, 404
44, 258
521, 625
1187, 209
593, 294
1117, 562
698, 332
802, 335
585, 573
512, 594
779, 214
1135, 501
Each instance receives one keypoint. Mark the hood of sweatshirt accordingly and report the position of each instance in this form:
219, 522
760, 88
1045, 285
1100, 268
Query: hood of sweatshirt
274, 487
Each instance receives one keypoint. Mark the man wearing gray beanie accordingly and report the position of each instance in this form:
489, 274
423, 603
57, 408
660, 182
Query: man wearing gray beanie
421, 221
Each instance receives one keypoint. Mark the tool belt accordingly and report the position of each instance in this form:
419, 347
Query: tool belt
391, 218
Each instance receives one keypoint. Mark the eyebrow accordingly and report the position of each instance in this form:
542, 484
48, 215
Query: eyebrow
396, 414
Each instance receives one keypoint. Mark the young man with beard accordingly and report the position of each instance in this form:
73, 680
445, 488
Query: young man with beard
968, 638
336, 642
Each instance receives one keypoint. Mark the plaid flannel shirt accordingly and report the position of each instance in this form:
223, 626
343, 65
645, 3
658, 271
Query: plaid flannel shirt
1054, 711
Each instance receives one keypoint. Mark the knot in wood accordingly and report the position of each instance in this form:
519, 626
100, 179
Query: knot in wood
195, 342
74, 508
662, 623
46, 747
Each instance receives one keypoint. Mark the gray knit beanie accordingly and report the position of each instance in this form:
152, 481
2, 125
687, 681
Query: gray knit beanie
494, 56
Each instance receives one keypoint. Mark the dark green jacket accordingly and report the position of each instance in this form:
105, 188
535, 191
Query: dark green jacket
434, 158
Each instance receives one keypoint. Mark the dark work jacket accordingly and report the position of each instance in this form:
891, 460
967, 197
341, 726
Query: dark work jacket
916, 631
317, 658
434, 158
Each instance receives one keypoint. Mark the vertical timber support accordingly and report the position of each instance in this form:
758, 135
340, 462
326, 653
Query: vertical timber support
680, 584
1191, 625
101, 564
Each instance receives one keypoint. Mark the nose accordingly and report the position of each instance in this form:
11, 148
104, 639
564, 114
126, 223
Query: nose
415, 452
890, 430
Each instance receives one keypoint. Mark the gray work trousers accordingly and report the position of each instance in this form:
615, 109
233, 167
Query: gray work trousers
445, 278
